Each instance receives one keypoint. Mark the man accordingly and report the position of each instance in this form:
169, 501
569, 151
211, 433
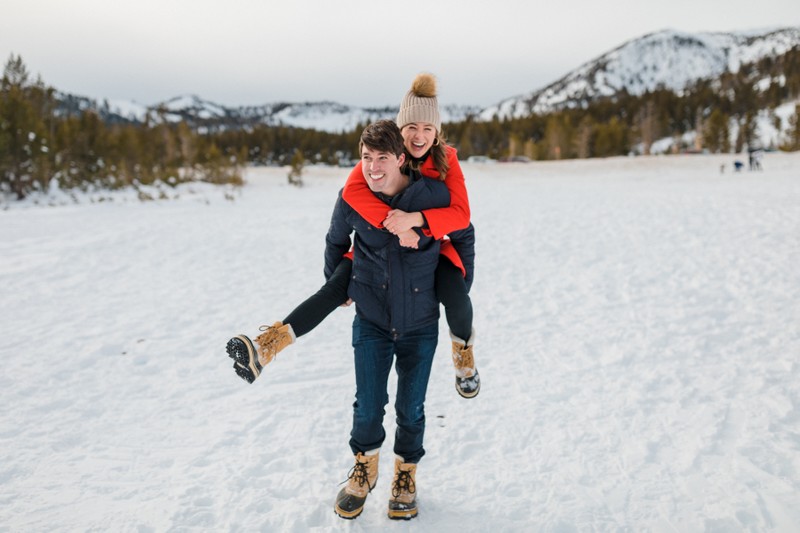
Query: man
396, 315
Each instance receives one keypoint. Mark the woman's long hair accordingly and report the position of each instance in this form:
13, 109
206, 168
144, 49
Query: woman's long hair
438, 155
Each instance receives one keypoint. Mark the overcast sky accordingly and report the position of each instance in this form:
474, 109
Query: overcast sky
357, 52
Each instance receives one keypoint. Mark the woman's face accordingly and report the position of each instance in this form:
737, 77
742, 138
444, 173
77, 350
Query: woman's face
418, 137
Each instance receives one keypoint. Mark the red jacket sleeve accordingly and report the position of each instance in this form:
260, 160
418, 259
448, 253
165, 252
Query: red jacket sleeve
441, 221
358, 195
444, 220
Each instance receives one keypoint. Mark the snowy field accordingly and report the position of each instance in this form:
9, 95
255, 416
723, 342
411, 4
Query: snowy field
638, 330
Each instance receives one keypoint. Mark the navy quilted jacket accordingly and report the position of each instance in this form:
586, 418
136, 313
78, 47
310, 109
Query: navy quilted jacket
392, 286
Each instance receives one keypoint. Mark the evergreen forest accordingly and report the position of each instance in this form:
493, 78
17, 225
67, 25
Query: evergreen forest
42, 140
40, 143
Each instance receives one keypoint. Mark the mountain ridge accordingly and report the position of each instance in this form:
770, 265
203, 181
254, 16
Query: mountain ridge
634, 66
667, 58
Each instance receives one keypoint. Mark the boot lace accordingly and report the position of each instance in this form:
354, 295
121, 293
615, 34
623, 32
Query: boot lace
268, 342
464, 358
403, 483
358, 473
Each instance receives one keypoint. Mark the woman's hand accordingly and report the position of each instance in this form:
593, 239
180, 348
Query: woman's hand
398, 221
409, 239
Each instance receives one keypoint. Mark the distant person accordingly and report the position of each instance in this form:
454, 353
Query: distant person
757, 156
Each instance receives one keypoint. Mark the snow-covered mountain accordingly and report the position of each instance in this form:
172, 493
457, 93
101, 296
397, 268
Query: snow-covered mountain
669, 59
323, 116
204, 114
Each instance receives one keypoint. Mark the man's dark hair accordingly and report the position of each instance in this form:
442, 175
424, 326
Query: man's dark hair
382, 136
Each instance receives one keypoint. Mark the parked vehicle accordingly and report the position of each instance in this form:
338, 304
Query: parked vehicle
480, 159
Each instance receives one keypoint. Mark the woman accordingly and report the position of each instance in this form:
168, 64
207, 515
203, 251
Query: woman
420, 124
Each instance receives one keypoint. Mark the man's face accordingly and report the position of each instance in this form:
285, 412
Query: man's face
418, 137
382, 171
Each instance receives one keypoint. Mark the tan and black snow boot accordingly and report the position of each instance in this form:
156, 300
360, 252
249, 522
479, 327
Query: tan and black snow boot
403, 503
468, 381
360, 482
248, 361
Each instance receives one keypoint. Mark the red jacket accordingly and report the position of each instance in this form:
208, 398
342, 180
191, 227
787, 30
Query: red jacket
441, 221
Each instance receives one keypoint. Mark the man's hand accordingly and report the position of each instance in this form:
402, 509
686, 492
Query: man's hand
347, 303
409, 239
398, 221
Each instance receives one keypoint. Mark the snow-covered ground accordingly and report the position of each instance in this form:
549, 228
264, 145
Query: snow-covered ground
638, 327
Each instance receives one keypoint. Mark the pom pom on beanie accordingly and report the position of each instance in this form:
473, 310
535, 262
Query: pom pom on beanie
420, 103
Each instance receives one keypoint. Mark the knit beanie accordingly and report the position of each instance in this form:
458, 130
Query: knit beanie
420, 103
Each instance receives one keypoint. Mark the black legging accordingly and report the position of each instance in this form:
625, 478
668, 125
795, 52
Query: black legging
451, 291
310, 313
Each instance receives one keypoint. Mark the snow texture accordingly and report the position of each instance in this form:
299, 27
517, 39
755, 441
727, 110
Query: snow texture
638, 335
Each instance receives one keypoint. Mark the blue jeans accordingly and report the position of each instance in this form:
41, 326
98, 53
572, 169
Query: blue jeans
375, 349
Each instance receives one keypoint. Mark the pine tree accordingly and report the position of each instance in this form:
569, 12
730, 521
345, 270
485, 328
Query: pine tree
583, 139
716, 134
610, 139
747, 131
295, 176
24, 148
514, 145
794, 129
556, 137
530, 150
646, 126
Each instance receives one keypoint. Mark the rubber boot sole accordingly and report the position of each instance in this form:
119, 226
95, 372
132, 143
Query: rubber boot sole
245, 358
341, 513
402, 514
355, 513
471, 394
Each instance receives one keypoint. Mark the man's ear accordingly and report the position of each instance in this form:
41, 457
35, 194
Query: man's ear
401, 160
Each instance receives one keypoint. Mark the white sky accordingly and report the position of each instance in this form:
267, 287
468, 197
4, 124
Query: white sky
357, 52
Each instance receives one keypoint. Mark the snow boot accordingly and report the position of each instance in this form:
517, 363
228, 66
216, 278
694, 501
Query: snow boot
248, 361
403, 503
360, 482
468, 381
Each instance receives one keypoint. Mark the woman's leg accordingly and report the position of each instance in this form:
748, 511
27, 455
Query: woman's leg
250, 358
451, 291
316, 308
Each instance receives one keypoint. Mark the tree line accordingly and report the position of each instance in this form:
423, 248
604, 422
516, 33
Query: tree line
42, 141
617, 125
